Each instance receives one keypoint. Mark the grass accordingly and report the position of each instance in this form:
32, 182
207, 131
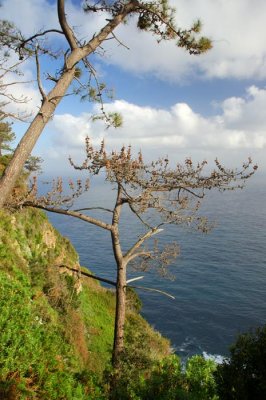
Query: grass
56, 343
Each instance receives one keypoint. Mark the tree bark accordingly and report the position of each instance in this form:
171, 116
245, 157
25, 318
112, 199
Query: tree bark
50, 102
120, 312
24, 149
120, 316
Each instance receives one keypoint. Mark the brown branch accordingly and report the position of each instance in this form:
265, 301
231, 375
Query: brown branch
108, 28
21, 118
14, 99
43, 94
71, 213
141, 240
94, 208
139, 254
4, 85
69, 34
139, 217
97, 278
36, 35
119, 41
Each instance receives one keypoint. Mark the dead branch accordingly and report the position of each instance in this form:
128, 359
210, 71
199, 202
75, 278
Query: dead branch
88, 275
130, 253
71, 213
94, 208
43, 94
153, 290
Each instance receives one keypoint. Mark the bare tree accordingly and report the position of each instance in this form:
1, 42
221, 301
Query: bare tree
155, 193
154, 16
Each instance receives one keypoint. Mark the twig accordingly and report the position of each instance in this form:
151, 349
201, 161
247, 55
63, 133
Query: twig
94, 208
97, 278
119, 41
44, 97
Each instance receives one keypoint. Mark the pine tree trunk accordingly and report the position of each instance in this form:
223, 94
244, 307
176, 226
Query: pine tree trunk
120, 316
24, 149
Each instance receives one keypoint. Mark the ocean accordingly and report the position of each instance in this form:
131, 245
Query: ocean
220, 277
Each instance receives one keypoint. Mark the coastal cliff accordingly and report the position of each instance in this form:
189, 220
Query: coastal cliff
56, 326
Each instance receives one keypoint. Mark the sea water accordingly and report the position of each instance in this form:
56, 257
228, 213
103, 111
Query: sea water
220, 278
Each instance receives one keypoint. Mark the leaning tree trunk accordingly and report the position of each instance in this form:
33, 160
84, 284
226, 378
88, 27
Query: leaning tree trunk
50, 102
24, 149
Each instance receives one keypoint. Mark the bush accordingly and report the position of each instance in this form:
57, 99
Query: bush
35, 360
165, 381
200, 378
243, 375
168, 379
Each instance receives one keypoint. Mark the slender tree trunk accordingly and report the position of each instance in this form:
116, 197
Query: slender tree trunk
24, 149
120, 316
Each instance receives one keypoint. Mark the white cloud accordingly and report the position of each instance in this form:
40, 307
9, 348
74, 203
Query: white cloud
37, 15
30, 16
237, 28
232, 135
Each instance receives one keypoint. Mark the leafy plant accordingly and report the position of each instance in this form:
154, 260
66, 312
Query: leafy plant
243, 375
34, 357
199, 377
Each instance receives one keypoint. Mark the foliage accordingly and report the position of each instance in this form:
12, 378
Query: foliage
6, 136
133, 301
168, 379
33, 164
55, 343
243, 375
9, 36
143, 347
37, 359
98, 306
200, 380
33, 354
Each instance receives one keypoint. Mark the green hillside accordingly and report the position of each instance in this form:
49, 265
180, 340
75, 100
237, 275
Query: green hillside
57, 328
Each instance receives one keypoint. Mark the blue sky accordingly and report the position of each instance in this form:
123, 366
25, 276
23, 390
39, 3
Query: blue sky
172, 103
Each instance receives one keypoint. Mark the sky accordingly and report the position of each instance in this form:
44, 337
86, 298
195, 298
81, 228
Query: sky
174, 104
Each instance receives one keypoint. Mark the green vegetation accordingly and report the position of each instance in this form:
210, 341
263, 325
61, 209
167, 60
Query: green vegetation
55, 340
57, 333
243, 376
167, 379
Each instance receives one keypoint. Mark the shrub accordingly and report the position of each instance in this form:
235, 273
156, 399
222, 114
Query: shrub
200, 380
35, 360
243, 375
